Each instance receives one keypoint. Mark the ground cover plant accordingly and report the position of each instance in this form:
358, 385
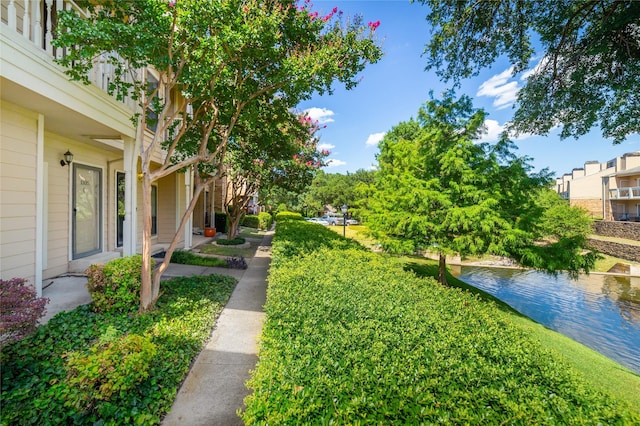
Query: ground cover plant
350, 337
84, 367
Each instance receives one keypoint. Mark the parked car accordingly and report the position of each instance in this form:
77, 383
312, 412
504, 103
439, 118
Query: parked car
317, 220
352, 222
332, 220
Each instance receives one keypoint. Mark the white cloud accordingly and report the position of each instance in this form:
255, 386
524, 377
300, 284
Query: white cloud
322, 115
499, 87
326, 146
374, 138
493, 131
332, 162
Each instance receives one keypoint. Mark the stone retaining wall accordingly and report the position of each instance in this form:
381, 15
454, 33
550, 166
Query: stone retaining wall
623, 251
626, 230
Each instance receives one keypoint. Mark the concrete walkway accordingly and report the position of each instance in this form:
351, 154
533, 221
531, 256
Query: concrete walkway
214, 388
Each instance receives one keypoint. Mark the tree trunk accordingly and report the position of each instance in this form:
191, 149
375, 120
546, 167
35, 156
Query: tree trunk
146, 283
442, 269
234, 223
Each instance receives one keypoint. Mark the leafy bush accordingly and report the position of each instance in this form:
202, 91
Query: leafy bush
265, 220
188, 258
236, 262
233, 242
251, 221
350, 337
20, 309
115, 286
35, 373
113, 366
284, 216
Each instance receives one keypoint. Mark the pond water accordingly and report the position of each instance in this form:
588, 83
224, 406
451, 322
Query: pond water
599, 311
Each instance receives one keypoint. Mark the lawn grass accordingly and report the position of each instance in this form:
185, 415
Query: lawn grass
251, 233
189, 258
228, 251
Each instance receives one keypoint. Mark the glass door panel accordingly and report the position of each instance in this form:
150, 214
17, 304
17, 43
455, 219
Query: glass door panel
87, 211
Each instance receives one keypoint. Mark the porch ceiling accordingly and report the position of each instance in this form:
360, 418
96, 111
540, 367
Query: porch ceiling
60, 119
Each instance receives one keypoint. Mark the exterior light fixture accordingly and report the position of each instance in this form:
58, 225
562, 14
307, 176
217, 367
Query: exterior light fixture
68, 158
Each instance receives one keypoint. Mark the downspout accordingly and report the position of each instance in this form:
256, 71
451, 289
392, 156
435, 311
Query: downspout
40, 256
188, 229
130, 230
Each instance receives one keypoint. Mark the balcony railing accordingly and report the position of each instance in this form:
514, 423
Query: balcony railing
628, 193
36, 21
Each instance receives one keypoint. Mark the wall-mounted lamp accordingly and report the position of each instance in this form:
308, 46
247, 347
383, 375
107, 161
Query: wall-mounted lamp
68, 158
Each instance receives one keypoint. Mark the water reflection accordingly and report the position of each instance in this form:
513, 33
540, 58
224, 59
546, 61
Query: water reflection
599, 311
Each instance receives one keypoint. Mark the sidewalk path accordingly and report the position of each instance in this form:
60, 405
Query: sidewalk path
214, 388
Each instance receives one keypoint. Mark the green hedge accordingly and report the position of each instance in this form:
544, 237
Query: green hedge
250, 221
112, 368
351, 338
262, 221
220, 222
265, 220
283, 216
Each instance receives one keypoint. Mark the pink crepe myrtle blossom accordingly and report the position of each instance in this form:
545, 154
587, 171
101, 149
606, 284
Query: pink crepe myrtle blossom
172, 3
374, 25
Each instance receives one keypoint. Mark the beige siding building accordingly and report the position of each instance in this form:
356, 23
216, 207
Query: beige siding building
608, 190
60, 215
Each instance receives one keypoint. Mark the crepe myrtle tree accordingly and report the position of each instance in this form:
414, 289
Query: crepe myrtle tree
588, 72
214, 60
437, 190
284, 157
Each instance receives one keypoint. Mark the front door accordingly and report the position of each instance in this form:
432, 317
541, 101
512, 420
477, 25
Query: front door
87, 211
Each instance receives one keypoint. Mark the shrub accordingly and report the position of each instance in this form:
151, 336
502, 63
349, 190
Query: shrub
251, 221
20, 309
349, 337
113, 366
115, 286
283, 216
265, 220
233, 242
220, 222
236, 263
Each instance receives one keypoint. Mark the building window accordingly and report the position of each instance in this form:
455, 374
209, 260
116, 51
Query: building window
611, 163
152, 115
154, 210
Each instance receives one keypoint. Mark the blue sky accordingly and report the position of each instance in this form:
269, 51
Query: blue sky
393, 90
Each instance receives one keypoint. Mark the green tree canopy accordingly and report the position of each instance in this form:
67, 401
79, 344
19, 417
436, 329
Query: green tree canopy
589, 72
437, 190
218, 63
